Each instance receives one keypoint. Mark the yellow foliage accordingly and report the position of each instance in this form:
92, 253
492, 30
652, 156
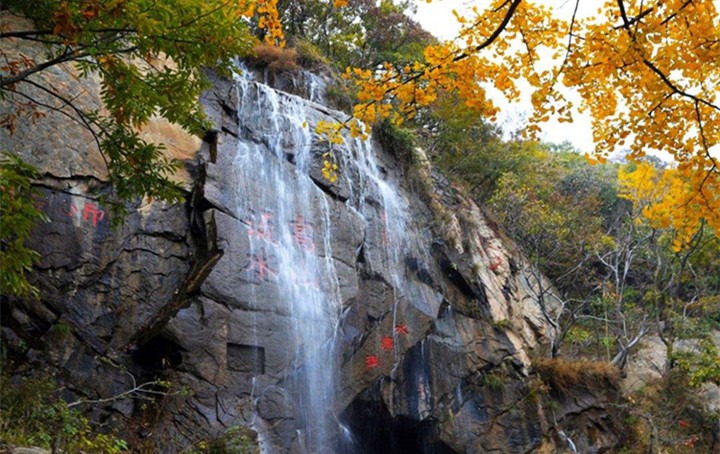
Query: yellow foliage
332, 132
647, 73
268, 18
671, 198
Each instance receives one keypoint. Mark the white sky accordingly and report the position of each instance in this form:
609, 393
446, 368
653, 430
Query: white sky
437, 18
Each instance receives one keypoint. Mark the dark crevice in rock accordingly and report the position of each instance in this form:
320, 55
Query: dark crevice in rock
211, 138
376, 431
506, 291
228, 132
360, 254
169, 235
43, 184
328, 190
206, 255
73, 178
422, 273
158, 353
229, 111
206, 205
22, 324
155, 253
475, 292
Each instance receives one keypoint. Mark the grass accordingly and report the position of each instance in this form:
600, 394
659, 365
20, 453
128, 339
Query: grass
274, 58
398, 140
310, 57
563, 375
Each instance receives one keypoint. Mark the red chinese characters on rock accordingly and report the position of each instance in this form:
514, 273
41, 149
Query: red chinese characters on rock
261, 228
386, 343
495, 265
401, 329
89, 209
261, 265
302, 233
371, 362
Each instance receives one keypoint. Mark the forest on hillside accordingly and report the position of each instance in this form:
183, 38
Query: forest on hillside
622, 244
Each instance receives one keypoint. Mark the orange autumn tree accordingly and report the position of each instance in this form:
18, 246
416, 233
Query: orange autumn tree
648, 73
650, 190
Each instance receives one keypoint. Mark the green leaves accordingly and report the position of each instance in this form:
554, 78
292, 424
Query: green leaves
150, 57
18, 215
32, 414
702, 365
138, 167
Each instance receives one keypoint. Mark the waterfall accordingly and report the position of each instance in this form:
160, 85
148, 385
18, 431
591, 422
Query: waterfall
286, 218
288, 225
315, 86
569, 442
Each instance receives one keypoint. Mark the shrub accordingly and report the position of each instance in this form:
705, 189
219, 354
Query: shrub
309, 56
236, 440
396, 139
701, 366
340, 96
563, 375
31, 414
274, 58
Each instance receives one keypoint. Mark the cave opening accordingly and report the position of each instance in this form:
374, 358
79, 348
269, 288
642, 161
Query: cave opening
158, 353
373, 430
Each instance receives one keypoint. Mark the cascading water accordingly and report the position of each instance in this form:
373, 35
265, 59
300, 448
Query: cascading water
315, 87
288, 227
287, 230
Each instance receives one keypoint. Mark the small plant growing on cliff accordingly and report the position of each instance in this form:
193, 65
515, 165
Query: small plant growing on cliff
564, 375
502, 324
236, 440
493, 380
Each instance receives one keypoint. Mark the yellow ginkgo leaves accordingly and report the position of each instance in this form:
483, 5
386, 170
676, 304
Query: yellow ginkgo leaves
647, 74
670, 198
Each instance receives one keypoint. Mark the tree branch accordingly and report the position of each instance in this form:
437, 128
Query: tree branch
66, 56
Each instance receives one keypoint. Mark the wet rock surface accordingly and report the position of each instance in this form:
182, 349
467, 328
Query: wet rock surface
429, 335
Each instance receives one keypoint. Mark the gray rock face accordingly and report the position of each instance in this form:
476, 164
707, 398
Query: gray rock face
419, 335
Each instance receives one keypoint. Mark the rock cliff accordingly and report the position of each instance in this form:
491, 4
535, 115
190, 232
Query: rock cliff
358, 316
